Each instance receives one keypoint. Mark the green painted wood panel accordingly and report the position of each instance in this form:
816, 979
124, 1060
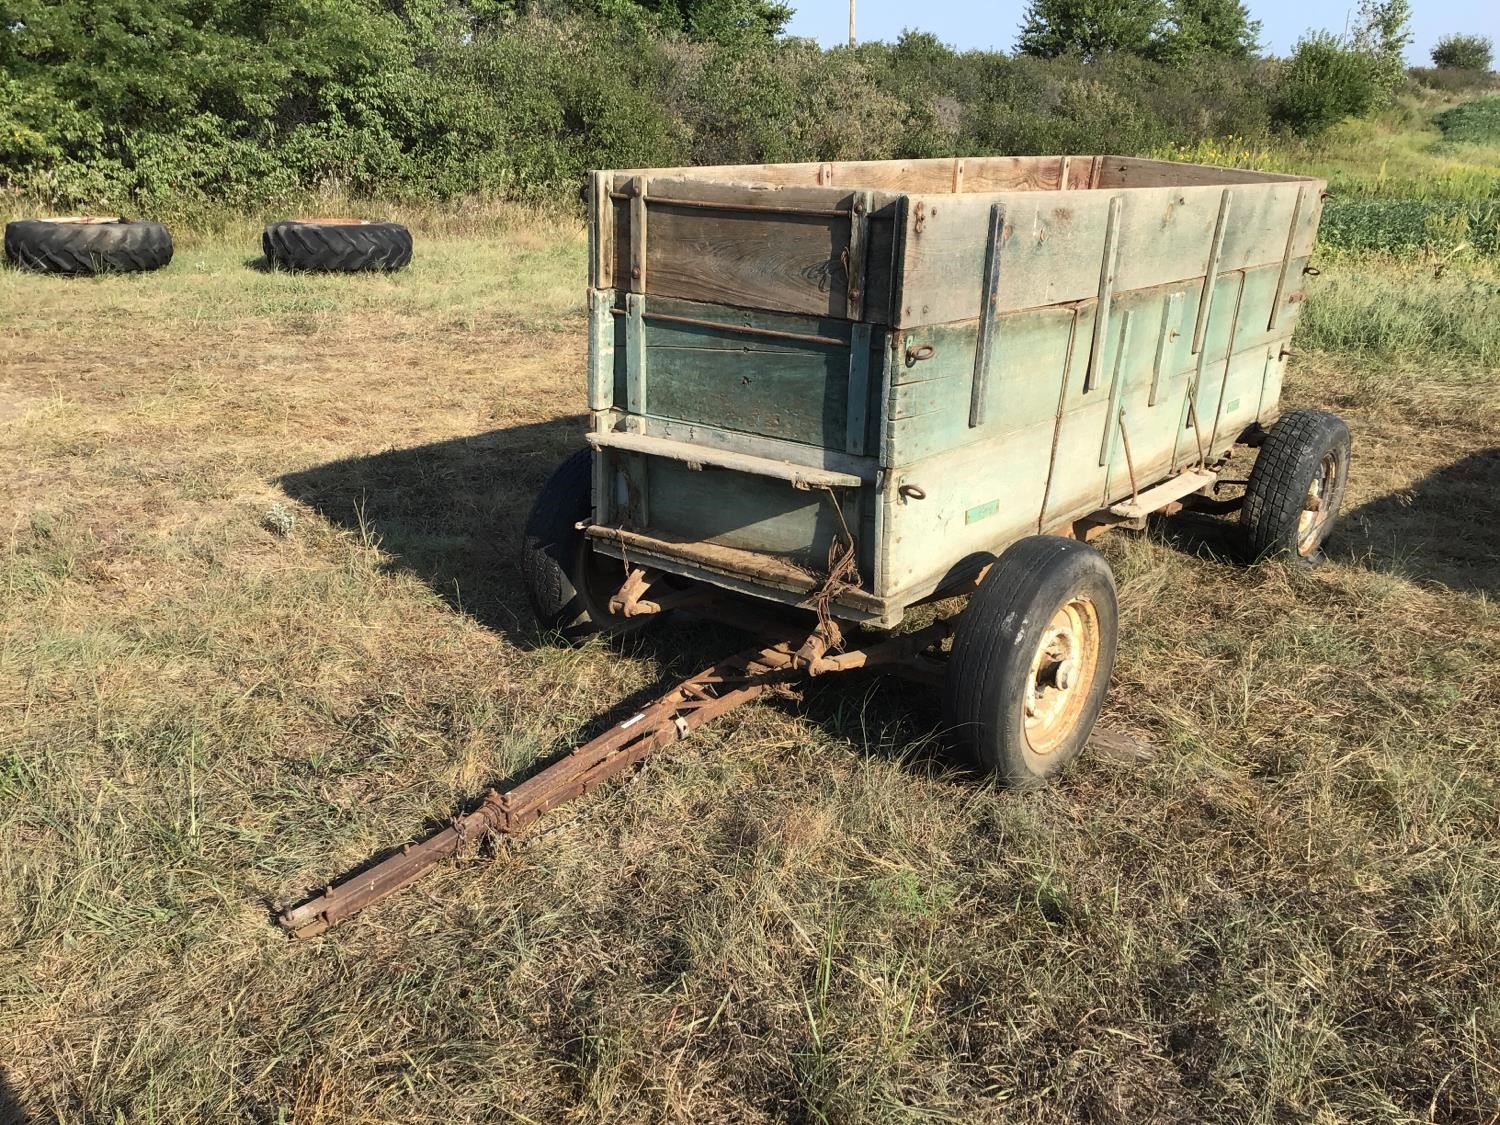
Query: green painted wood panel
727, 372
928, 403
978, 498
749, 512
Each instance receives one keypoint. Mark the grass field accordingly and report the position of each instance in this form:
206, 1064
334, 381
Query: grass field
261, 617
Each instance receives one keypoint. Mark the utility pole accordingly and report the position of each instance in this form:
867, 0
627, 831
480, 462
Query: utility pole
851, 23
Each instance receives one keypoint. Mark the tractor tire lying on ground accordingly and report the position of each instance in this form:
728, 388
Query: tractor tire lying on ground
336, 245
87, 244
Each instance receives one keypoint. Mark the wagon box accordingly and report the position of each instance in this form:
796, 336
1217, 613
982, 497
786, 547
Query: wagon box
940, 356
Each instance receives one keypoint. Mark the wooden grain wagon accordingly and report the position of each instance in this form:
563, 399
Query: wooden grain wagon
842, 390
858, 387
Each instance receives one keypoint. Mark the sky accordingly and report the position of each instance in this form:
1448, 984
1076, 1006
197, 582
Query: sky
966, 25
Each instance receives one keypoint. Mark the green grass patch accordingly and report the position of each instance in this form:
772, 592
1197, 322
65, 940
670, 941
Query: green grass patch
1393, 308
1475, 122
1408, 224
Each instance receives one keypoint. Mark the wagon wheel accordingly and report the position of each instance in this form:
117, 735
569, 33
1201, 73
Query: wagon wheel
568, 582
1031, 660
1296, 487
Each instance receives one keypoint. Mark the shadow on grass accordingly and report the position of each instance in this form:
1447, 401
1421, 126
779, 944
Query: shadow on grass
451, 512
1444, 529
12, 1112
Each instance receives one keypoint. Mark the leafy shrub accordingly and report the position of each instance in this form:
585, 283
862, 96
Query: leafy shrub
1463, 52
1451, 81
1325, 81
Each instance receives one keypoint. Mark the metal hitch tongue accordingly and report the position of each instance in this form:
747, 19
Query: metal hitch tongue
670, 718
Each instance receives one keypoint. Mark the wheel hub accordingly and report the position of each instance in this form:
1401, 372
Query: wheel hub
1312, 523
1062, 674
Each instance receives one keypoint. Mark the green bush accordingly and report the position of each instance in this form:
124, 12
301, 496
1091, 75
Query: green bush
1451, 81
1325, 81
365, 98
1463, 52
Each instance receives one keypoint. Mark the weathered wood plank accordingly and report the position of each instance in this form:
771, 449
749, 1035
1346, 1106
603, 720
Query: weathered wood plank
1107, 271
978, 392
1051, 255
756, 445
635, 354
638, 230
1011, 173
1286, 258
702, 456
783, 262
1211, 271
1140, 172
601, 350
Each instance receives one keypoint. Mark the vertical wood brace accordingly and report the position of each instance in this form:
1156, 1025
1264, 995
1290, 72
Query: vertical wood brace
602, 230
858, 399
854, 273
889, 393
1062, 402
638, 236
1062, 173
825, 174
1171, 315
635, 353
1286, 260
979, 386
1234, 324
1106, 293
898, 264
1212, 274
601, 349
1111, 415
1265, 377
602, 506
958, 175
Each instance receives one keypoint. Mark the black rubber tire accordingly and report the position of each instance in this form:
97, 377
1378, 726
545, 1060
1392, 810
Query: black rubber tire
996, 640
87, 246
1290, 460
337, 247
566, 581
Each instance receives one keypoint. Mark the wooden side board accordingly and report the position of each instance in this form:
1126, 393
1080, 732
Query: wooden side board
1053, 244
948, 173
1137, 172
908, 244
797, 379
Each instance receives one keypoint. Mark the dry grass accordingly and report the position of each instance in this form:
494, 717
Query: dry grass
261, 617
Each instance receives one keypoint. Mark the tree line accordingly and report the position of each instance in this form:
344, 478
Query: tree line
170, 105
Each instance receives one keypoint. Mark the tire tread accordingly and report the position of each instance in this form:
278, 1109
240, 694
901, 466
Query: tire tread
337, 247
